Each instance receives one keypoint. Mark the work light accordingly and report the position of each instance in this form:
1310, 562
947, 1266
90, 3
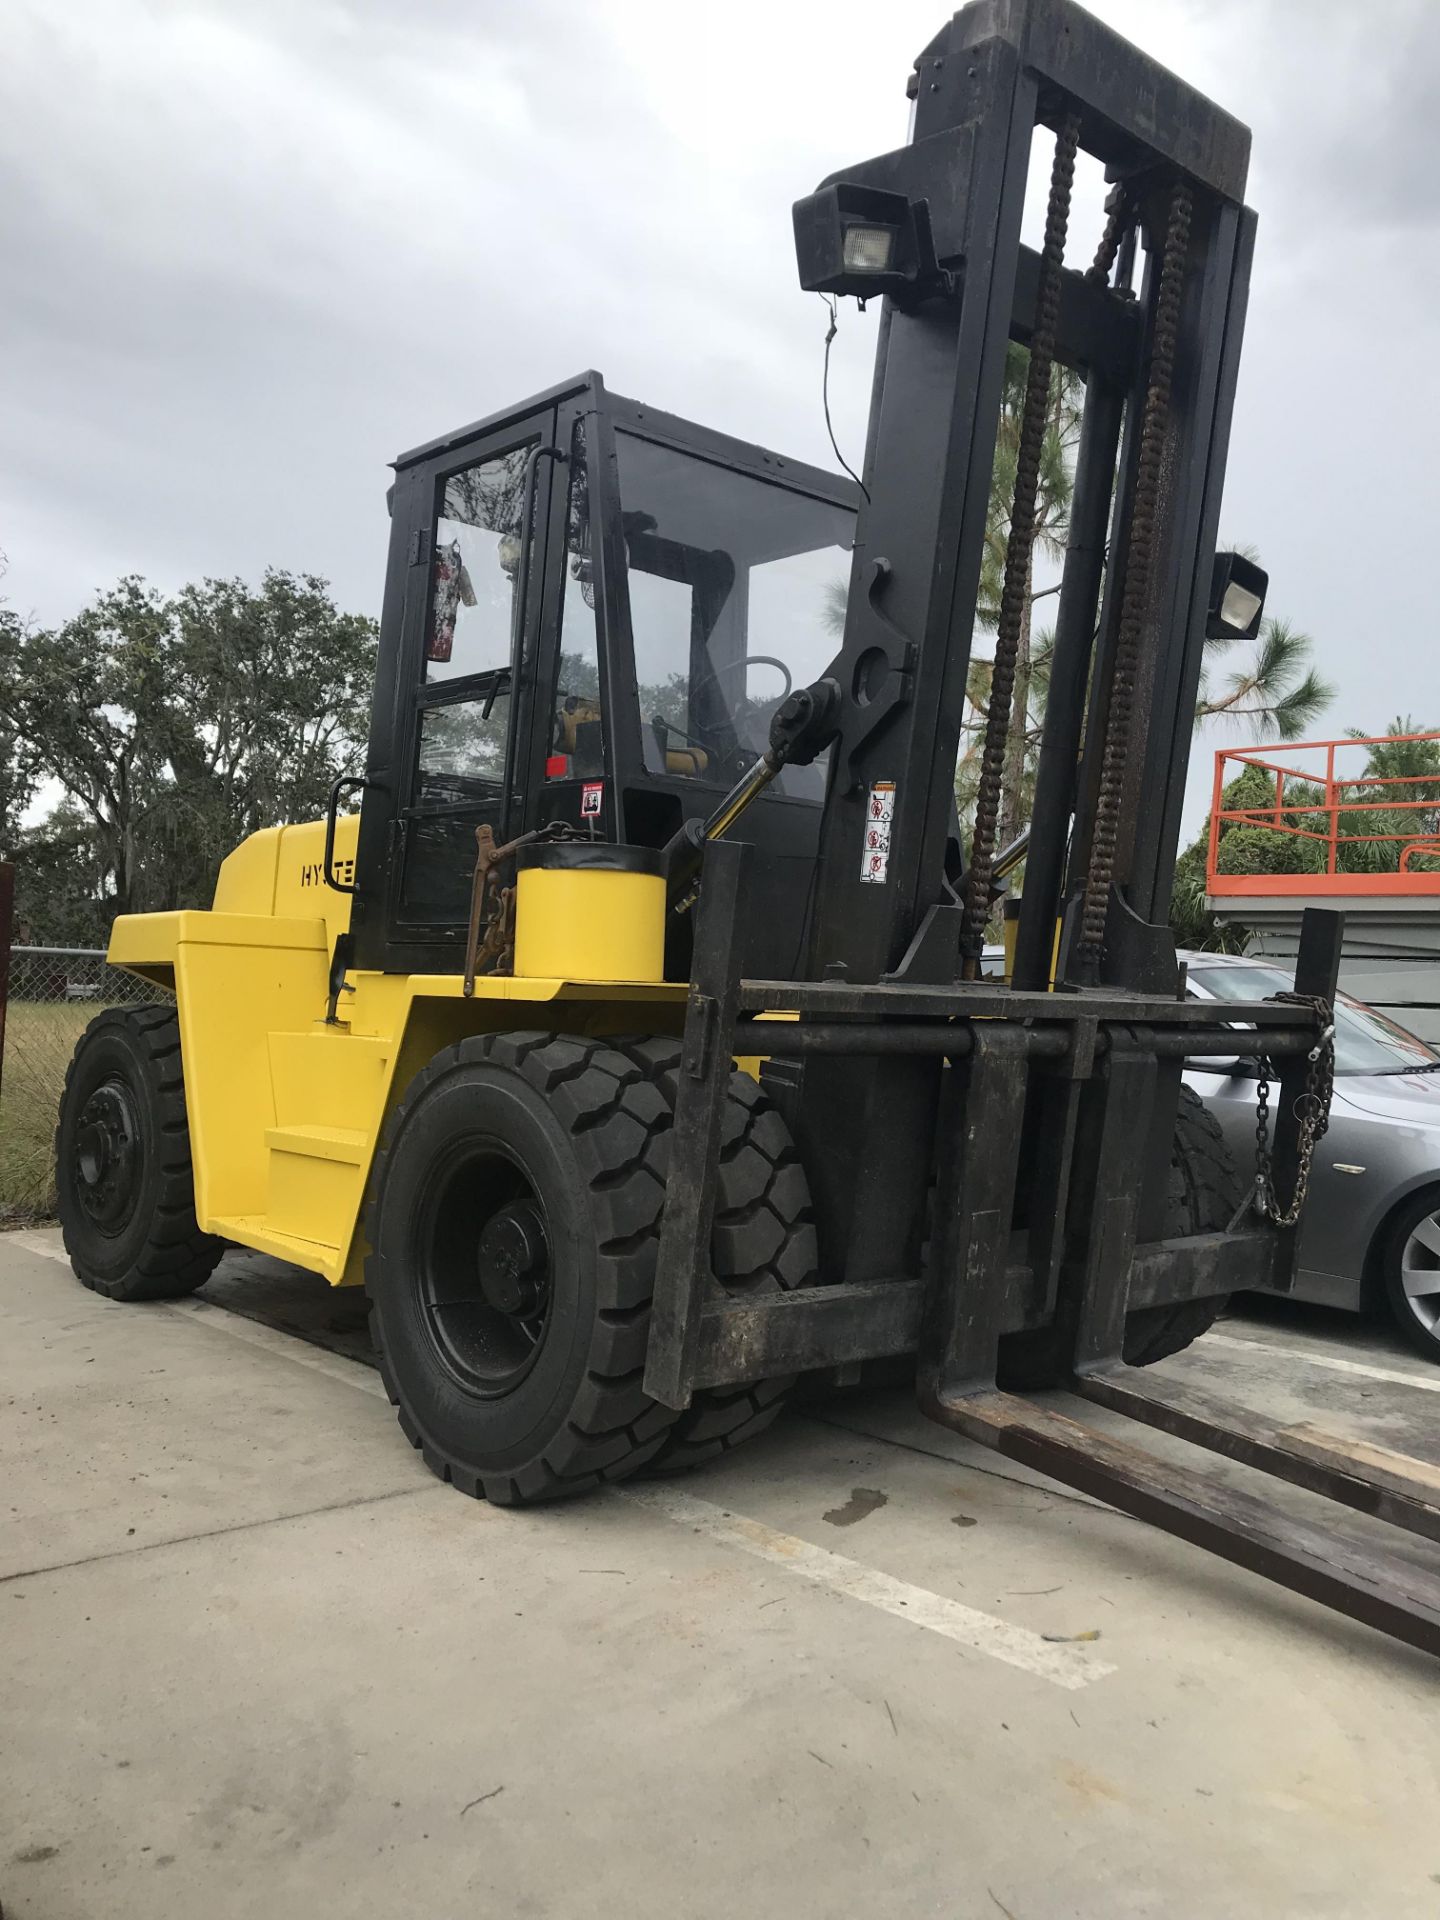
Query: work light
856, 240
868, 249
1237, 598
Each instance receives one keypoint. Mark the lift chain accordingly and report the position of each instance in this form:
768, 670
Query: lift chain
1119, 213
1139, 569
1019, 548
1312, 1111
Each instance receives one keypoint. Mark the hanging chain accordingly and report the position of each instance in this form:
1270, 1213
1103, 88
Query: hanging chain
1119, 213
1312, 1114
1033, 417
1139, 569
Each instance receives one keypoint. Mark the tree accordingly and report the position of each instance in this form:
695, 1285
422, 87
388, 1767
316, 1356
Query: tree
174, 727
1054, 493
1276, 693
16, 786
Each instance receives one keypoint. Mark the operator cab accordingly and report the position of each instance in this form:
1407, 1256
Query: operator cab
592, 610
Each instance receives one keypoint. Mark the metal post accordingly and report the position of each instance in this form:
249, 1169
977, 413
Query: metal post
1118, 1117
7, 935
1317, 968
683, 1273
978, 1153
1332, 810
1058, 774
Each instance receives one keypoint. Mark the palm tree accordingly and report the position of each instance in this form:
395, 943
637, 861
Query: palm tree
1276, 693
1052, 523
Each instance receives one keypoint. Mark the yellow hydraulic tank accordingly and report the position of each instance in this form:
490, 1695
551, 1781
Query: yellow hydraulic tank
585, 910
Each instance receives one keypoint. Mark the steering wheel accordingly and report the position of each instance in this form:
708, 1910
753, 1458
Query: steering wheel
758, 660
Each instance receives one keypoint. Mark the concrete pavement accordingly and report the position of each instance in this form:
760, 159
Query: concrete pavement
254, 1661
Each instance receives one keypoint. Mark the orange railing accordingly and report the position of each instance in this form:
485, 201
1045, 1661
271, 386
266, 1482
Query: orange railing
1323, 804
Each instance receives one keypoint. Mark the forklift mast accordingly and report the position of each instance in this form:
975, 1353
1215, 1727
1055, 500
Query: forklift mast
988, 1159
1158, 362
986, 91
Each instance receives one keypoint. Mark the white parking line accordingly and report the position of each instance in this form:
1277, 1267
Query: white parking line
1064, 1666
1071, 1666
289, 1346
1333, 1362
46, 1241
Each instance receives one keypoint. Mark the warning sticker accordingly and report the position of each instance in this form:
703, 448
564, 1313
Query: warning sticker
879, 820
591, 795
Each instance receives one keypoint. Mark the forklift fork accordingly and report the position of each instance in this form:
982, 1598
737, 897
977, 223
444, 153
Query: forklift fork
1101, 1058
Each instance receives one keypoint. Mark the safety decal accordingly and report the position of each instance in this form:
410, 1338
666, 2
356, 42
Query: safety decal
591, 794
879, 819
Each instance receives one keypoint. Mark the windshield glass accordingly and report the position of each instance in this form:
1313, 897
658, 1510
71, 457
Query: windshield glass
737, 593
1365, 1041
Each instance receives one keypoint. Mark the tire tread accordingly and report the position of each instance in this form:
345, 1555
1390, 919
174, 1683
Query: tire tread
614, 1098
176, 1256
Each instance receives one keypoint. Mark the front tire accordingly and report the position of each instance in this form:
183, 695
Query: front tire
125, 1186
515, 1222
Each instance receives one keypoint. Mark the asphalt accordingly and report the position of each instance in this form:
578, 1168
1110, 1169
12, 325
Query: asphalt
254, 1661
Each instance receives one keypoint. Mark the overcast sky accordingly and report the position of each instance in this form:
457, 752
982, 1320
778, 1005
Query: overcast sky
254, 248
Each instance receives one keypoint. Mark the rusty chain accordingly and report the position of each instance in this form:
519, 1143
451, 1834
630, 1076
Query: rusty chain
1020, 546
1312, 1114
1139, 570
1119, 213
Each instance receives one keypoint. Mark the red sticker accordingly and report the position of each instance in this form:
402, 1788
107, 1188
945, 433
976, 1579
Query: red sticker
591, 794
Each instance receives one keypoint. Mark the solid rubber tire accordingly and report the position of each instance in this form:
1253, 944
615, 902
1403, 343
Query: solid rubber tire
764, 1242
160, 1252
589, 1120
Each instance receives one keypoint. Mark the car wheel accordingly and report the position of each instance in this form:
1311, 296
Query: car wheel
1410, 1269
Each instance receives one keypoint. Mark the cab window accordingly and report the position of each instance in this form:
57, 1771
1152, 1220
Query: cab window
577, 735
736, 591
476, 567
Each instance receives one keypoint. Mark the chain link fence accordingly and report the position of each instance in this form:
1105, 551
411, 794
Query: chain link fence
55, 992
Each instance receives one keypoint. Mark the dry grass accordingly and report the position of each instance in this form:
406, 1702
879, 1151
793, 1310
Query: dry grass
39, 1040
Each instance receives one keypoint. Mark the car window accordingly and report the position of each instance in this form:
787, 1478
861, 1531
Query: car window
1365, 1041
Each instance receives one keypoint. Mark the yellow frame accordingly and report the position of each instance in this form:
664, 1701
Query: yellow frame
286, 1110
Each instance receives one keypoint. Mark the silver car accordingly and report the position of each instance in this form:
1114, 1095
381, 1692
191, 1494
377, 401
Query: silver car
1371, 1230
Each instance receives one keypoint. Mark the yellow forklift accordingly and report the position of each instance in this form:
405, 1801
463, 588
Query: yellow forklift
632, 1046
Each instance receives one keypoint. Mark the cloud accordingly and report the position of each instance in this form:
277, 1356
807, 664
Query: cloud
254, 249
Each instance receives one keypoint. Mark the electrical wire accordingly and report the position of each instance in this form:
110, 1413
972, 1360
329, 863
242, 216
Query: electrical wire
830, 301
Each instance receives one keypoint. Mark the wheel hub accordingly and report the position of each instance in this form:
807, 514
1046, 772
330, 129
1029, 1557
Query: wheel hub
484, 1269
1420, 1273
106, 1155
514, 1261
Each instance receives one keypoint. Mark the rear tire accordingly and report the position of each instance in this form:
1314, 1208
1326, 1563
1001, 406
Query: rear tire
123, 1175
522, 1382
1204, 1195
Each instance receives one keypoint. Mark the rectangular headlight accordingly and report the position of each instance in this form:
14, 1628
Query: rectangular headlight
868, 249
1237, 598
852, 239
1239, 607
